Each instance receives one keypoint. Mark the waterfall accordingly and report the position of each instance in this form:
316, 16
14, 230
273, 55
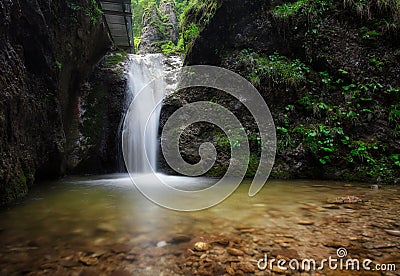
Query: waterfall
143, 116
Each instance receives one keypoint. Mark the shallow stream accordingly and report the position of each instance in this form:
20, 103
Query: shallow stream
103, 225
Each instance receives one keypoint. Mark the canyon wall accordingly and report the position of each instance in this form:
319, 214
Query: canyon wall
47, 49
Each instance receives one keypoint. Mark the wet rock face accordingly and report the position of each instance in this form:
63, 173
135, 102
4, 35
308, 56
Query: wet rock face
151, 34
334, 45
101, 107
46, 50
236, 25
167, 8
159, 25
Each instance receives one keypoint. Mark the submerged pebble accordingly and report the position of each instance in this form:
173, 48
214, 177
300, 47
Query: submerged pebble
161, 244
201, 246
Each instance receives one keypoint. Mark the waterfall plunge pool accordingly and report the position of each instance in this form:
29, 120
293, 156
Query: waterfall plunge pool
104, 224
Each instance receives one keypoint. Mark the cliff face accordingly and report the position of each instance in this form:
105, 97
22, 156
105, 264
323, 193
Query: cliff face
95, 147
47, 48
160, 28
329, 73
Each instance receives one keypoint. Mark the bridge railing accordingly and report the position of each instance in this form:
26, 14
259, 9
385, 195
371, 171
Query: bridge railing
118, 17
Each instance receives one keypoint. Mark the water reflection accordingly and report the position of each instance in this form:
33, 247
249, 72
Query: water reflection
93, 214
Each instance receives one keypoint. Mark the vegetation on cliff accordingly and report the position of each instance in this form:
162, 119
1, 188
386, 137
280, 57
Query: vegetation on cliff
160, 18
192, 18
328, 70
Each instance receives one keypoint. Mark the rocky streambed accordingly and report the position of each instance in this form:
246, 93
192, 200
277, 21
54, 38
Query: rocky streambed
104, 226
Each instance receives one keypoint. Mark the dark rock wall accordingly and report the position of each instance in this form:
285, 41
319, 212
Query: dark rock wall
47, 48
102, 105
235, 25
354, 139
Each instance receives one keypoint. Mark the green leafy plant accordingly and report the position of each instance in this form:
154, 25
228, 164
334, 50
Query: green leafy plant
396, 159
361, 149
371, 34
366, 9
91, 9
136, 43
301, 7
378, 64
115, 58
195, 16
278, 69
325, 77
322, 140
169, 48
394, 113
190, 33
58, 64
223, 141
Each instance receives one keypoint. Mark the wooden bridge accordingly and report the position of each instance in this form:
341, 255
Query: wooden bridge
118, 17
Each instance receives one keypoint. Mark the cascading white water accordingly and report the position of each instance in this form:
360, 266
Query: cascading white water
143, 140
143, 118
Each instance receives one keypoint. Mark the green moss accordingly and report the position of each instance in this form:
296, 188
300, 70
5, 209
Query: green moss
195, 18
115, 58
58, 64
276, 68
394, 114
90, 9
190, 33
169, 48
137, 41
16, 188
301, 7
22, 178
94, 115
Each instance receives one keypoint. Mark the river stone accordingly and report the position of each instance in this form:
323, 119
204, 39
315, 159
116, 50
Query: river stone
179, 239
201, 246
234, 251
230, 270
106, 227
89, 261
278, 270
221, 241
156, 252
244, 231
243, 227
393, 232
288, 253
161, 244
345, 200
307, 223
68, 263
330, 206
